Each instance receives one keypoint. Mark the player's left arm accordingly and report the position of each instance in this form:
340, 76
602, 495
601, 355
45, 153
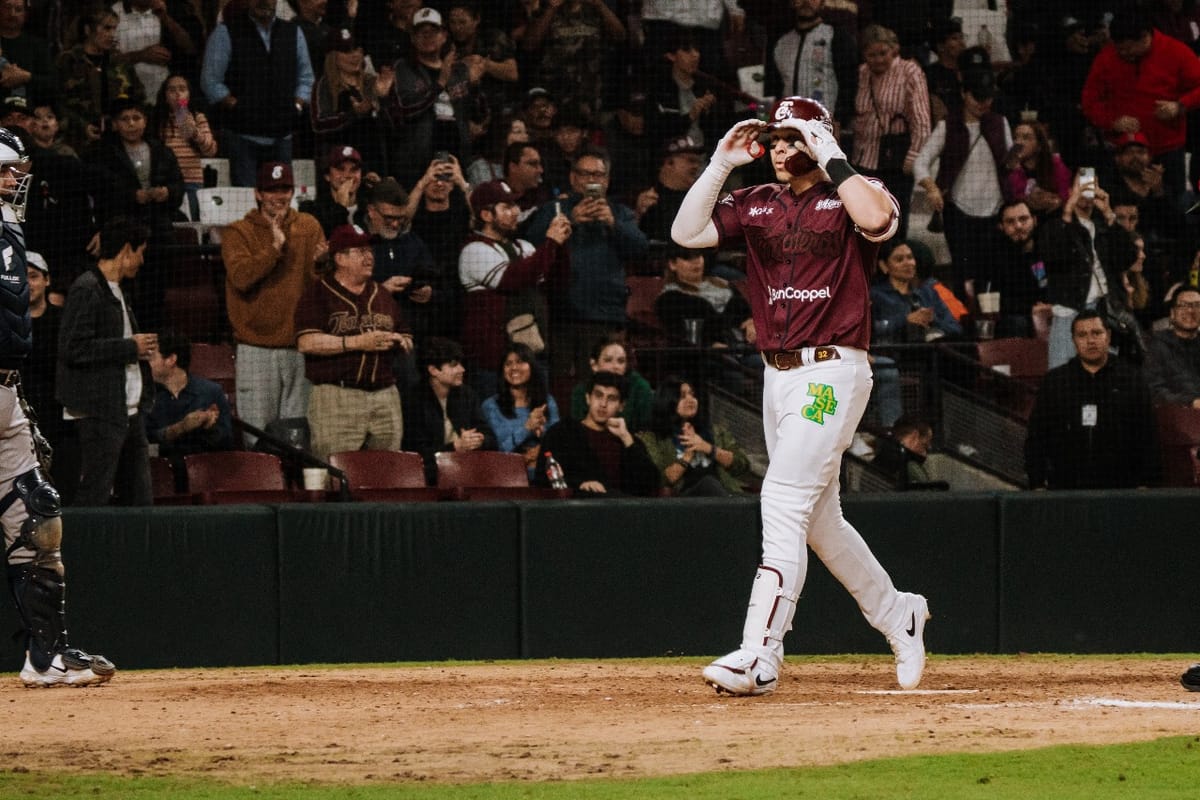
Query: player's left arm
868, 203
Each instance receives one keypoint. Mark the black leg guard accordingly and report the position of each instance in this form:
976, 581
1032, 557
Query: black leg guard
40, 595
37, 584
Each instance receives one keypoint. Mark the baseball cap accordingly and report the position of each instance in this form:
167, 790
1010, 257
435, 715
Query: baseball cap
426, 16
16, 104
941, 30
340, 154
36, 261
1071, 24
340, 39
571, 118
346, 237
981, 83
974, 58
491, 193
681, 144
537, 93
675, 250
634, 101
274, 175
1130, 139
388, 191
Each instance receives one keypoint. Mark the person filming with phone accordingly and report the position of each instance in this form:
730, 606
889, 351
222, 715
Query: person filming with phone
605, 236
1084, 252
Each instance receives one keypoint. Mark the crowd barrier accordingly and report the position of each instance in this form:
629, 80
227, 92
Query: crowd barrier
260, 585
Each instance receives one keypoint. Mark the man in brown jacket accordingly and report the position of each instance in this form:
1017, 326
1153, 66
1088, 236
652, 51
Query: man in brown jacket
269, 256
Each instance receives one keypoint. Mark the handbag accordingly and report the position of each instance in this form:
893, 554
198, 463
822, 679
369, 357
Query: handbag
893, 147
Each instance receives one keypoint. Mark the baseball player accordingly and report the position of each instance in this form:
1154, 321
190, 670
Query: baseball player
811, 241
30, 512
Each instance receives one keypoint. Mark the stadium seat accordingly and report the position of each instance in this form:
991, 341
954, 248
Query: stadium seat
385, 475
221, 205
1018, 357
236, 476
1178, 438
164, 484
220, 166
304, 173
645, 328
489, 475
217, 363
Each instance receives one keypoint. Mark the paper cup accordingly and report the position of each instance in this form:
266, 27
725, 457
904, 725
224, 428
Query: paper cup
989, 302
316, 479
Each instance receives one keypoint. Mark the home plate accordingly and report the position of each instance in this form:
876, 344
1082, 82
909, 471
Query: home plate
1114, 703
917, 691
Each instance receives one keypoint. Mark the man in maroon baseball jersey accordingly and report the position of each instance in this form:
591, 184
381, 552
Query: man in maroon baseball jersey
811, 241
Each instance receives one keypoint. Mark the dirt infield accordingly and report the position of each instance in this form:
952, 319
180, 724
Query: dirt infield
576, 719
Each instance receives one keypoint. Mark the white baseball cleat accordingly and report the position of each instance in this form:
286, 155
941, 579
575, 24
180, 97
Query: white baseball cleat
71, 667
741, 672
908, 642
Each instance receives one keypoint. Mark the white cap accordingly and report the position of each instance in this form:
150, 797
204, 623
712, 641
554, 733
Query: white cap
35, 260
427, 16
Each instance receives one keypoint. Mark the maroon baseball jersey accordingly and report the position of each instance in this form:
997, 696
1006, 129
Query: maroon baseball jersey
328, 307
808, 266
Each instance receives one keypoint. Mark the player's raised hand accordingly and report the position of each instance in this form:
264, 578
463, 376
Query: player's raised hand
821, 142
740, 145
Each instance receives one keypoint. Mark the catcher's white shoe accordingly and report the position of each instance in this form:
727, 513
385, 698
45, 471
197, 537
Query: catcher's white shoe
71, 667
742, 672
908, 641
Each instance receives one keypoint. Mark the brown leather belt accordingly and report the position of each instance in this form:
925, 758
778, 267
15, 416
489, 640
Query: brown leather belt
791, 359
10, 377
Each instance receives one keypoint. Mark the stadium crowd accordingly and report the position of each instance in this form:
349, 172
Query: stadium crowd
489, 175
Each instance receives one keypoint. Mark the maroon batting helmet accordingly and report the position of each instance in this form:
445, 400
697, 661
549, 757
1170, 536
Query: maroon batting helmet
796, 107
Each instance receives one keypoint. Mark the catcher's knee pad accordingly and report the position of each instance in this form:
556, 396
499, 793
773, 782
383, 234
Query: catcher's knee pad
41, 530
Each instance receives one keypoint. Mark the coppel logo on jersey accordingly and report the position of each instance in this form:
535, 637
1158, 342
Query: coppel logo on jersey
792, 293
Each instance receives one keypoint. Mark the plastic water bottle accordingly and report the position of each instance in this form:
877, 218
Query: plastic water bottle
984, 39
181, 115
554, 472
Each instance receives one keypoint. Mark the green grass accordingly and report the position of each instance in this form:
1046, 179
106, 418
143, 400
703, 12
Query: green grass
1166, 768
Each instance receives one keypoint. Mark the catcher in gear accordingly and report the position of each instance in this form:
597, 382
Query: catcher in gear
811, 241
30, 511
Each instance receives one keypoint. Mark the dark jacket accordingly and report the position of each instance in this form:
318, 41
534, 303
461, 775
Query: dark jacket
1173, 368
569, 443
93, 353
1067, 249
424, 428
16, 328
1092, 430
110, 155
263, 82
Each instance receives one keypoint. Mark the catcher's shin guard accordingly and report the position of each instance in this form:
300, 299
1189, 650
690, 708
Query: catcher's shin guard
37, 584
769, 615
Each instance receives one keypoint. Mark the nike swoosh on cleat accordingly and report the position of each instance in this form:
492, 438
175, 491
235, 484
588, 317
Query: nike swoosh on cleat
761, 682
911, 630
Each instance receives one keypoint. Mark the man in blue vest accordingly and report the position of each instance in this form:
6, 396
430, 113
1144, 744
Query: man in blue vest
248, 64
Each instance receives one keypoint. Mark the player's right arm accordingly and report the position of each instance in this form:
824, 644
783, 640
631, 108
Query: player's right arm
693, 226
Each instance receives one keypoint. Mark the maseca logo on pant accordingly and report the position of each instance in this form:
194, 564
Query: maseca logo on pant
792, 293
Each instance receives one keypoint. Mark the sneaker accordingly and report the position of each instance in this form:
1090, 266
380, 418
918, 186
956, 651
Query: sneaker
741, 672
908, 643
71, 667
1191, 679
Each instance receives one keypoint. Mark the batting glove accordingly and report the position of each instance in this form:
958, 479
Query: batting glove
740, 145
818, 138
